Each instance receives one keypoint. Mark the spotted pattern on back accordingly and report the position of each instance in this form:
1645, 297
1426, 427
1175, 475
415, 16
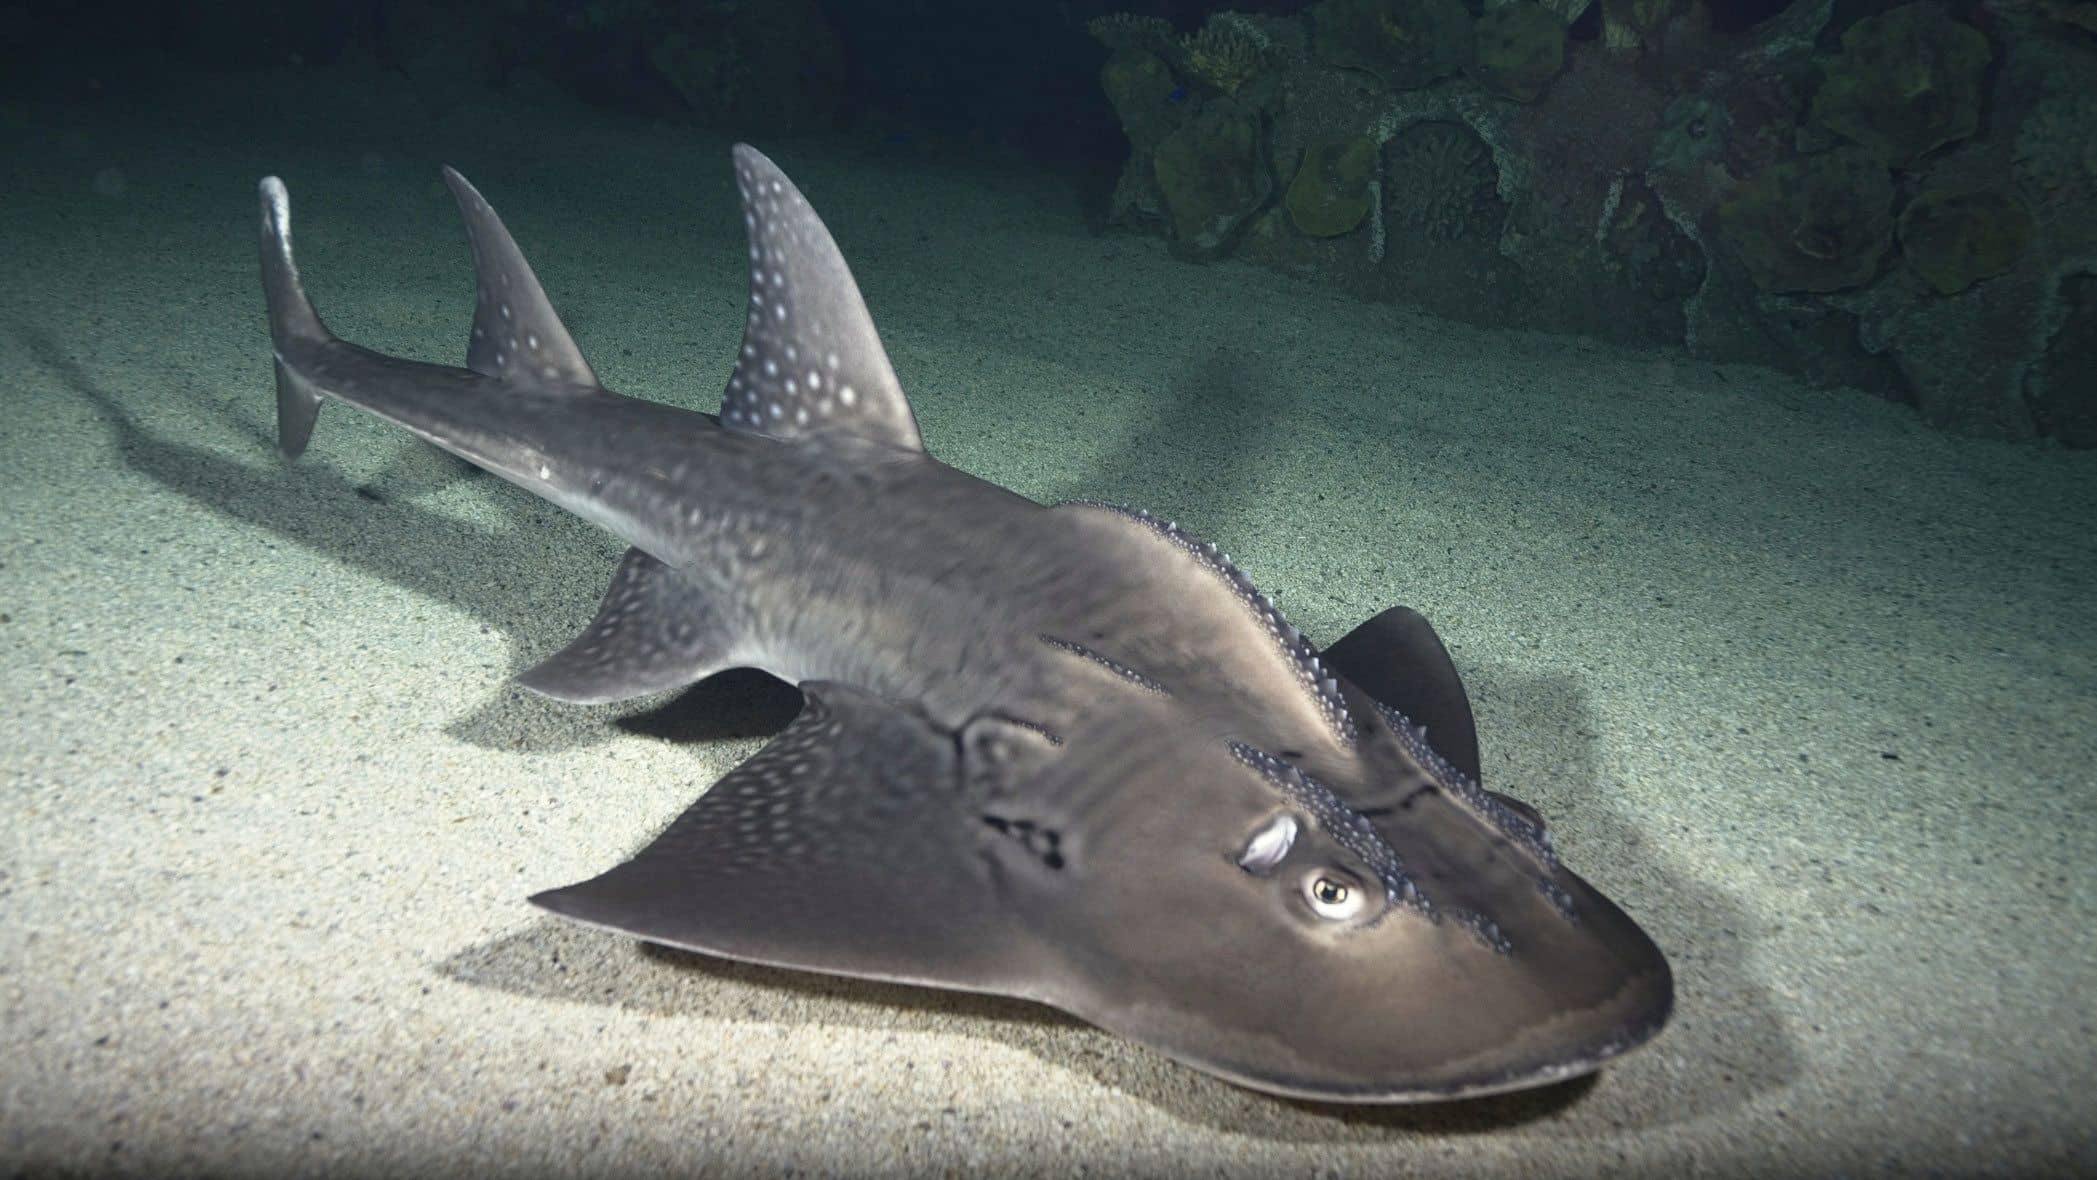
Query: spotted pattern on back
517, 337
1311, 672
811, 363
820, 792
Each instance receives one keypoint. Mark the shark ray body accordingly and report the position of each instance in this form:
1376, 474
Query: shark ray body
1064, 753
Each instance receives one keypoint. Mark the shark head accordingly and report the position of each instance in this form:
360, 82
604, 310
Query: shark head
1278, 863
1345, 928
1065, 753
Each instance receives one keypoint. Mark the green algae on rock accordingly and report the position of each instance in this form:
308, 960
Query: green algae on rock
1907, 82
1407, 44
1954, 240
1520, 48
1816, 223
1140, 87
1212, 177
1332, 193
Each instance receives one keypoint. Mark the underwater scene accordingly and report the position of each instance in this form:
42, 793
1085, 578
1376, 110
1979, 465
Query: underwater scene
1110, 587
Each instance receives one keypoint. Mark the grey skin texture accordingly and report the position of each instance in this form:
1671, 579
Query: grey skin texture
1063, 753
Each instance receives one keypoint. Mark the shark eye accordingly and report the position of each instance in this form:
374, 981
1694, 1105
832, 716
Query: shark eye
1332, 895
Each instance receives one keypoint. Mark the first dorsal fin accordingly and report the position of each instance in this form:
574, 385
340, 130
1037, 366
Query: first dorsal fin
811, 364
1398, 659
517, 338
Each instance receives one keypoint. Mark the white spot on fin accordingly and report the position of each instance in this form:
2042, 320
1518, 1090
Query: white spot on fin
804, 303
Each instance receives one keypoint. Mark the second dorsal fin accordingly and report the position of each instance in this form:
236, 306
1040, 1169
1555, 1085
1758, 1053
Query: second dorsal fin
517, 338
811, 364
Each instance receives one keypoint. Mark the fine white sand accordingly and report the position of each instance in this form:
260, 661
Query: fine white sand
1803, 685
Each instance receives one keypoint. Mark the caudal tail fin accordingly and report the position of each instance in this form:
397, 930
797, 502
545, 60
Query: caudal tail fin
292, 320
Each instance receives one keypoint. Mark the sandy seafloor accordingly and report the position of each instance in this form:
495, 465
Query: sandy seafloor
1804, 685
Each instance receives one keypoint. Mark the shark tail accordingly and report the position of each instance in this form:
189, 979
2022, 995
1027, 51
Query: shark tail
291, 320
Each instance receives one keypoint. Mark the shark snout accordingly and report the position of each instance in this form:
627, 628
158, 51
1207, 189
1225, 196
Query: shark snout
1409, 1008
1550, 986
1464, 964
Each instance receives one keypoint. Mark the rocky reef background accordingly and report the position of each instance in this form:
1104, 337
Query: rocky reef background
1895, 197
1898, 198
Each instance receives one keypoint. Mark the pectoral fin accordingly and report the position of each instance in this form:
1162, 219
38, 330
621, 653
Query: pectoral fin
839, 847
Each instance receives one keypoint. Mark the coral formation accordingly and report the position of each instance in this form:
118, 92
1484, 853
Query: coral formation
1440, 180
1817, 223
1225, 53
2065, 407
2057, 146
1954, 240
1567, 11
1627, 23
1693, 133
1212, 177
1520, 49
1407, 44
1907, 81
1659, 262
1332, 192
1525, 173
1141, 89
1127, 32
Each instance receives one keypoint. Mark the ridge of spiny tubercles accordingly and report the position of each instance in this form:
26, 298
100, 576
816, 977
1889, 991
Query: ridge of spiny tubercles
1300, 651
1460, 787
1351, 830
1109, 663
